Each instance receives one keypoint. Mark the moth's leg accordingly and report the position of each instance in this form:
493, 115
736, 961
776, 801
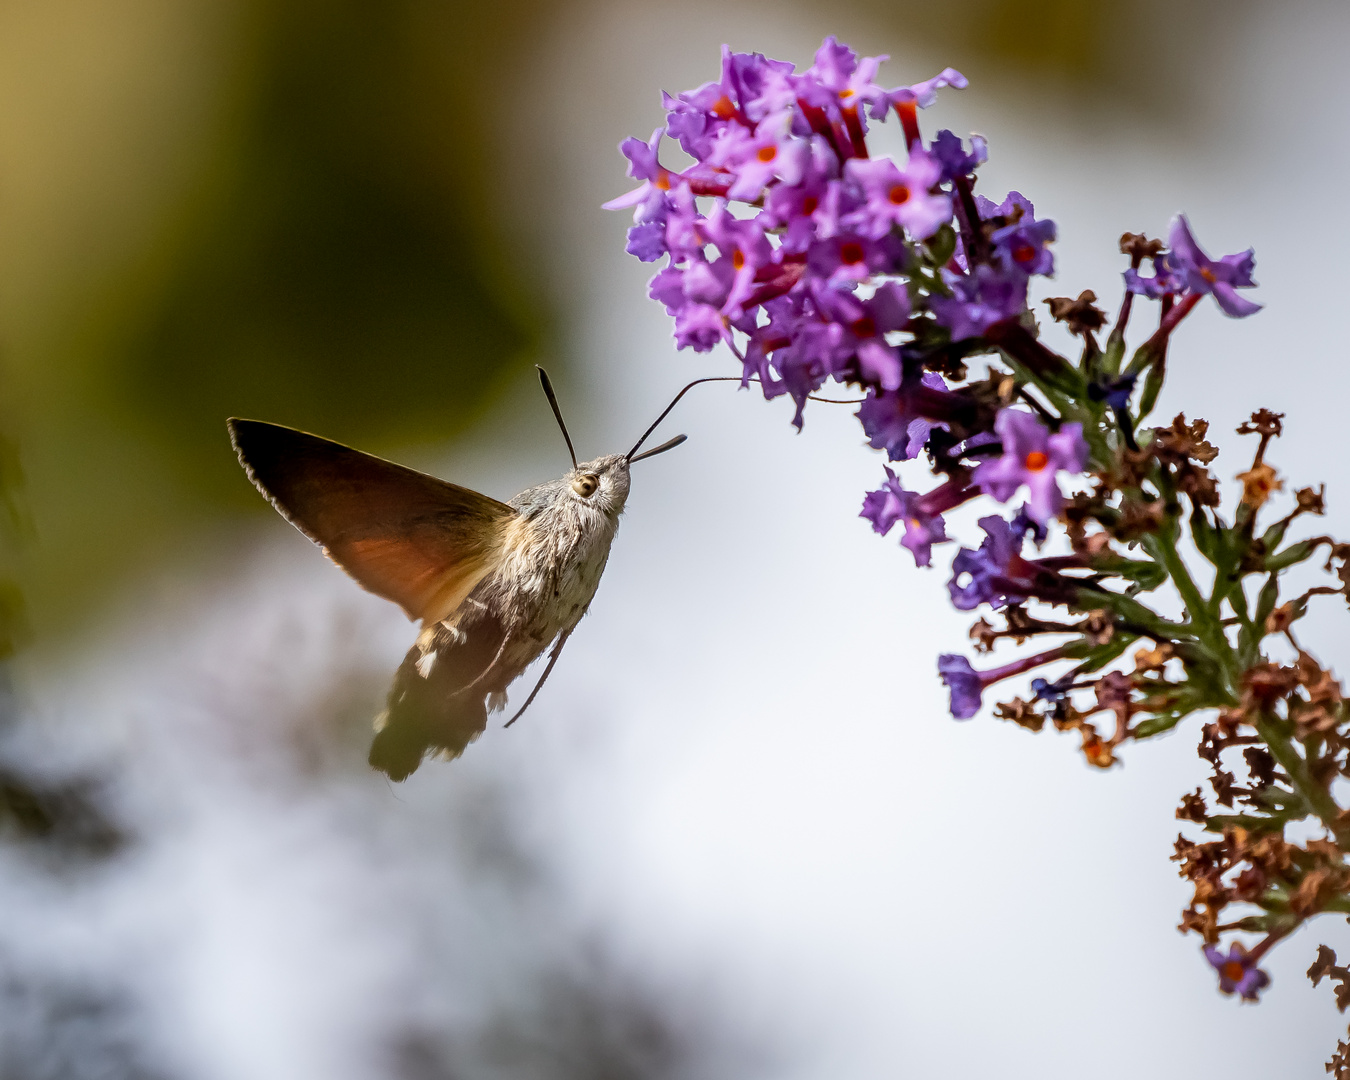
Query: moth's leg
552, 659
506, 639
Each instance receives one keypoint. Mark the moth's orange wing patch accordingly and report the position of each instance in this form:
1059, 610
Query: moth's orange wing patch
406, 536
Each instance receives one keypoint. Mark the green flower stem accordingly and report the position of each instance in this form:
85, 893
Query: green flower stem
1162, 546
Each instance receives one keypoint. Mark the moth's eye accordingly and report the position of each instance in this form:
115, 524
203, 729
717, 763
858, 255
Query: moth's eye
585, 486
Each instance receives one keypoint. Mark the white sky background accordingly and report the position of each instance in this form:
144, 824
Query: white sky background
742, 774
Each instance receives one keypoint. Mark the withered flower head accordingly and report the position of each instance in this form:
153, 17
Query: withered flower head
1267, 682
1139, 247
1283, 617
1258, 484
1080, 316
1183, 441
1250, 884
1022, 713
1264, 423
1307, 898
1138, 518
1312, 501
984, 635
1225, 786
1199, 483
1192, 807
1325, 966
1096, 750
1261, 765
1153, 659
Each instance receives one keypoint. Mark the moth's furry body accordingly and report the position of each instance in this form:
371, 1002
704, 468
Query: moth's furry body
494, 584
554, 553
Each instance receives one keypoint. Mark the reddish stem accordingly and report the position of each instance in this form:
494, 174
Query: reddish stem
853, 124
908, 112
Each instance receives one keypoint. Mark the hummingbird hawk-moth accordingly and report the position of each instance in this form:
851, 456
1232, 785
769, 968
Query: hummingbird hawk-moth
494, 584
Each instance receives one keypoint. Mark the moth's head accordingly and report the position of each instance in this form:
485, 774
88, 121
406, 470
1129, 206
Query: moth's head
601, 484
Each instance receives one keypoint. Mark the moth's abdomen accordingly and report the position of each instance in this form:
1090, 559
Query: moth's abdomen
437, 702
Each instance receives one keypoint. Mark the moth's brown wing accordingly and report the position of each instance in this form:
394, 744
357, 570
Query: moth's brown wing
404, 535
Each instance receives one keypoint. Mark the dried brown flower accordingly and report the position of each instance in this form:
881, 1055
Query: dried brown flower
1265, 423
1139, 247
1080, 316
1153, 659
984, 635
1310, 501
1258, 484
1261, 765
1225, 787
1138, 518
1022, 713
1250, 884
1182, 441
1096, 750
1192, 807
1307, 898
1282, 618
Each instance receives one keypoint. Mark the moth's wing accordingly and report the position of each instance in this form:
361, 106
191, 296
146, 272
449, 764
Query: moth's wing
406, 536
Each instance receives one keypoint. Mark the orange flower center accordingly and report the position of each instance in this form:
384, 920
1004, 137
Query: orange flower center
851, 252
767, 153
864, 327
1036, 461
723, 108
662, 180
1024, 253
899, 194
845, 94
1233, 970
1207, 274
738, 258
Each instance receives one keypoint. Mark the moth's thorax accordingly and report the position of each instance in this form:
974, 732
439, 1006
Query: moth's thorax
556, 550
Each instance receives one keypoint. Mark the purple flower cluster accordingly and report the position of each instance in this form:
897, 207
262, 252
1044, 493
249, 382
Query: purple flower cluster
802, 254
812, 260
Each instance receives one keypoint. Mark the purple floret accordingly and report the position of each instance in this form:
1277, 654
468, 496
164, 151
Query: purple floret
643, 165
964, 683
989, 570
950, 153
894, 196
1022, 247
979, 300
924, 527
923, 94
1238, 973
1032, 456
1221, 277
892, 422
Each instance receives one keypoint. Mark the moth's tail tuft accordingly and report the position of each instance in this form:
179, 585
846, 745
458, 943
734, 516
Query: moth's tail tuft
432, 705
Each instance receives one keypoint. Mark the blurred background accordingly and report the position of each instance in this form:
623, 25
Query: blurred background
737, 835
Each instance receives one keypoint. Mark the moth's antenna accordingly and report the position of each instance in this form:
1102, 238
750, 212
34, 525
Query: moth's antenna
669, 444
676, 400
557, 412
